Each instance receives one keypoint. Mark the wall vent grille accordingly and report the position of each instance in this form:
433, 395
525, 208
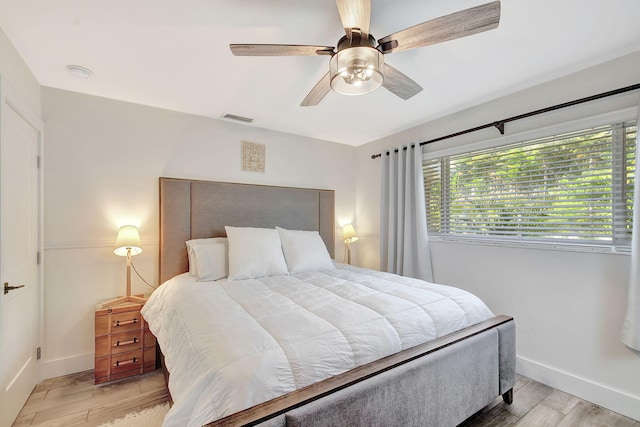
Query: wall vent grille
237, 118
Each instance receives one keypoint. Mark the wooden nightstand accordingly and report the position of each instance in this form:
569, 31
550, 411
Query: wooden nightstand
124, 345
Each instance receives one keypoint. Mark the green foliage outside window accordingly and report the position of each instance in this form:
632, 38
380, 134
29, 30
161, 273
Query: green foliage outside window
573, 187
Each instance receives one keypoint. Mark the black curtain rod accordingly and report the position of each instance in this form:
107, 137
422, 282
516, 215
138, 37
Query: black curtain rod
500, 123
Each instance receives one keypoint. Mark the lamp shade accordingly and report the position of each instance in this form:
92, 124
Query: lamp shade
128, 238
356, 70
349, 233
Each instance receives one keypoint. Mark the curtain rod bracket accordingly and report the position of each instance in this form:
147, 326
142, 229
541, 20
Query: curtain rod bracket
375, 156
499, 126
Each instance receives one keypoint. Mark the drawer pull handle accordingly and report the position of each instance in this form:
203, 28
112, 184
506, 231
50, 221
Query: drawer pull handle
126, 362
119, 343
126, 322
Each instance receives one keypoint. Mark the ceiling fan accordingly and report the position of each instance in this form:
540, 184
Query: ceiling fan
357, 66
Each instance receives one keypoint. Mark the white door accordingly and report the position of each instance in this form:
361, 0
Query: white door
19, 246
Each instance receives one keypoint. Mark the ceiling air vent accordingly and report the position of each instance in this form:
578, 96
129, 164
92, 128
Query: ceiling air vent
237, 118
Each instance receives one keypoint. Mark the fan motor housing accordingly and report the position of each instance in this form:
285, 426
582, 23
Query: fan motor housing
355, 40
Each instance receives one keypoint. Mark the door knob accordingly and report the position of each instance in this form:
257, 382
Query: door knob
8, 288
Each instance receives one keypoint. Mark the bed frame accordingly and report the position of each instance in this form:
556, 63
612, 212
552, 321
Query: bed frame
439, 383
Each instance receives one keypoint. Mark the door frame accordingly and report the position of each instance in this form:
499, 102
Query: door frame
10, 98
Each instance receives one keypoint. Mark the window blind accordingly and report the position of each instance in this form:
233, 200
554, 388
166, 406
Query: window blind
574, 187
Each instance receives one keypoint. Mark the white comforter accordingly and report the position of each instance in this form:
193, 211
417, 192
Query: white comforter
232, 344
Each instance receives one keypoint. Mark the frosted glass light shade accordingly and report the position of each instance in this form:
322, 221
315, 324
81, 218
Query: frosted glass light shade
349, 233
128, 238
356, 70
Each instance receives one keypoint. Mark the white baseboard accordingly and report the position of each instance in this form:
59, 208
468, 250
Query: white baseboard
66, 366
614, 400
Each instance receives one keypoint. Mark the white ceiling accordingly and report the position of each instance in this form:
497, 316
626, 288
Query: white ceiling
174, 54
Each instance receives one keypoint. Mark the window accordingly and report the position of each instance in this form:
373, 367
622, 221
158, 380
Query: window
573, 188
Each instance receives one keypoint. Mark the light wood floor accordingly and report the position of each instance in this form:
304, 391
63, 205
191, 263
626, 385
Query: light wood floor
537, 405
74, 400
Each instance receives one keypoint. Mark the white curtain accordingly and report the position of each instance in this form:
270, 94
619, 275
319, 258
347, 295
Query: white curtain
404, 245
631, 327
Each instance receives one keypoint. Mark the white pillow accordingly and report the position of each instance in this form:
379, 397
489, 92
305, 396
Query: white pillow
304, 251
190, 253
254, 252
211, 260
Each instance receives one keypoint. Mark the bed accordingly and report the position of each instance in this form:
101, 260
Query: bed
296, 348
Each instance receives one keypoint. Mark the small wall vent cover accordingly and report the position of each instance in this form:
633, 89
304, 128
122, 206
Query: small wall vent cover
237, 118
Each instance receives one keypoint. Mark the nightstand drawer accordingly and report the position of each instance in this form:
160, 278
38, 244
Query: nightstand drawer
124, 362
119, 343
119, 322
120, 365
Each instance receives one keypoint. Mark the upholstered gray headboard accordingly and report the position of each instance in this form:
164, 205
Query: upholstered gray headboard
191, 209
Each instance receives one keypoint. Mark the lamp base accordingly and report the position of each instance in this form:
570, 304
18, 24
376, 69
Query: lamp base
120, 300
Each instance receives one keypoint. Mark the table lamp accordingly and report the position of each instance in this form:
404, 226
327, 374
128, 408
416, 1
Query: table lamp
349, 236
127, 244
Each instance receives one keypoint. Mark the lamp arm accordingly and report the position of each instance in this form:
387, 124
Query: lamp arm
128, 272
347, 252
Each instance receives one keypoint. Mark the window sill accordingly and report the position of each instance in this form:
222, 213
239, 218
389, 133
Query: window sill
565, 247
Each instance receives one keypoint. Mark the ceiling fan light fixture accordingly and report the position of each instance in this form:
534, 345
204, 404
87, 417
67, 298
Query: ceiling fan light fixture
357, 65
356, 70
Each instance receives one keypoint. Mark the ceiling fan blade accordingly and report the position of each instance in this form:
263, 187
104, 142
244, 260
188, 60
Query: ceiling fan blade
355, 14
449, 27
399, 84
319, 91
279, 50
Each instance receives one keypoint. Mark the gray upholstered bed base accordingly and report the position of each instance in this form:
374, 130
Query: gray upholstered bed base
439, 387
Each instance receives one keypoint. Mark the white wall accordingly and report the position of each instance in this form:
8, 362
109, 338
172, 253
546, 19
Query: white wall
568, 306
103, 159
